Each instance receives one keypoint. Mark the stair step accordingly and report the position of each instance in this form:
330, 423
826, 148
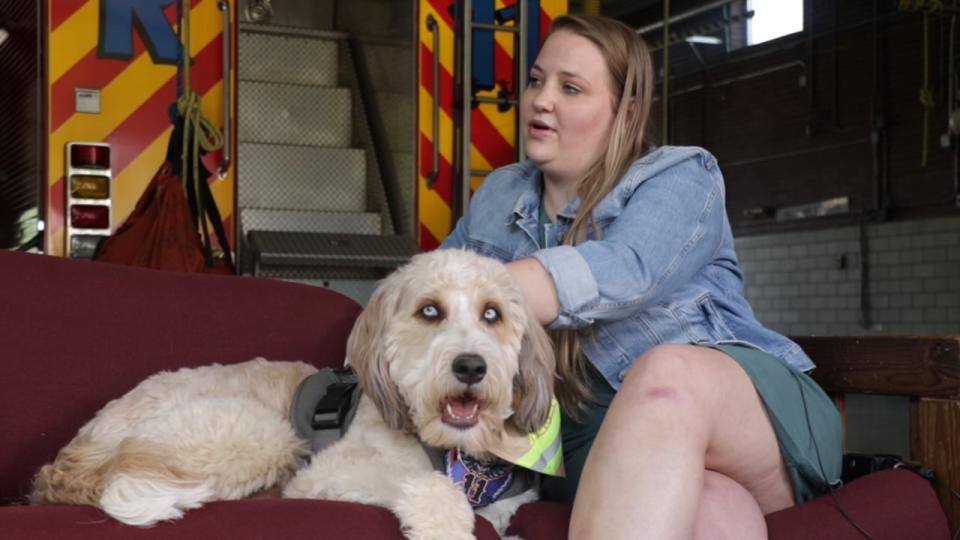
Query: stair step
303, 177
329, 250
294, 114
267, 219
287, 58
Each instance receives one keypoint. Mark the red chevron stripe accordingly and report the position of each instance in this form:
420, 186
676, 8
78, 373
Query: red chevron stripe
442, 187
146, 123
92, 72
488, 141
442, 7
150, 119
427, 240
63, 10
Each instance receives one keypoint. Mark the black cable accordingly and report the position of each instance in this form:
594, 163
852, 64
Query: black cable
816, 447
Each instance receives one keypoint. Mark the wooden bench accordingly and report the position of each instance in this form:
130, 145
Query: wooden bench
924, 369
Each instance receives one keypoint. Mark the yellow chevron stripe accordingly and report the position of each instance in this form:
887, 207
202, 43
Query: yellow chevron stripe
553, 8
122, 96
434, 212
74, 39
446, 37
129, 184
133, 179
426, 125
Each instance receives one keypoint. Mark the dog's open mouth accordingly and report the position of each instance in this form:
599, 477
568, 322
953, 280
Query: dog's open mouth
461, 411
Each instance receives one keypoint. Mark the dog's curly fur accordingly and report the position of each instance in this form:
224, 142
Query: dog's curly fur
181, 439
405, 363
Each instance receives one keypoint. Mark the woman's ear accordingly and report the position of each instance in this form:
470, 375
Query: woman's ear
367, 355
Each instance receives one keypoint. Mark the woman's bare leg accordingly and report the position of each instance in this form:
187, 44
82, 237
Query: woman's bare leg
681, 411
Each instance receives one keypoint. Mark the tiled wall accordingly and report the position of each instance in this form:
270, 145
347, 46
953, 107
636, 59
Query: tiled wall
809, 283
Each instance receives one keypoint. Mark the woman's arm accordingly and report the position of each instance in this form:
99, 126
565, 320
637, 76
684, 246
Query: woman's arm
538, 288
669, 229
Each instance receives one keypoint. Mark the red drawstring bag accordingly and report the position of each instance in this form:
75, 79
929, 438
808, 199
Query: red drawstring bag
160, 232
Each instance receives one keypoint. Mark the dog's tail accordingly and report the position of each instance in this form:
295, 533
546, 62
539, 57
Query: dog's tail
137, 483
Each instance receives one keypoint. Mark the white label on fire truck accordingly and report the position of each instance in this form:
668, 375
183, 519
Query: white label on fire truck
88, 100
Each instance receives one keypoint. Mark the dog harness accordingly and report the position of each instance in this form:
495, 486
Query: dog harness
325, 403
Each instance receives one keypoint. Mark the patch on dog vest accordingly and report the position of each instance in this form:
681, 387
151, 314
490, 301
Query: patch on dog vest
482, 483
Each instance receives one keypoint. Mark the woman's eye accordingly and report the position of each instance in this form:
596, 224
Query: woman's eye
491, 315
430, 312
571, 89
533, 81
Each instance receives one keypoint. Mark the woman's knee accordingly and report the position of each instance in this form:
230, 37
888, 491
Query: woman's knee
728, 510
663, 372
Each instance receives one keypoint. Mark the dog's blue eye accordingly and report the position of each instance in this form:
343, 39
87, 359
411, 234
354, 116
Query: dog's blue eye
491, 315
430, 311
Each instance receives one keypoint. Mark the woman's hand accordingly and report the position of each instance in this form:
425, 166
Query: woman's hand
538, 288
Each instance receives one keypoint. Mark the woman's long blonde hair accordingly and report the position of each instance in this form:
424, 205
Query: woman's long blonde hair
631, 78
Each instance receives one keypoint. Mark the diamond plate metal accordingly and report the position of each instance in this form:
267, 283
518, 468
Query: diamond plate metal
335, 250
303, 177
264, 219
287, 59
289, 114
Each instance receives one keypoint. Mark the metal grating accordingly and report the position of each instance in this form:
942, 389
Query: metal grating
303, 177
310, 174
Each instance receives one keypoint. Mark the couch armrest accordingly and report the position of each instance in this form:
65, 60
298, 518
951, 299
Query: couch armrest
924, 368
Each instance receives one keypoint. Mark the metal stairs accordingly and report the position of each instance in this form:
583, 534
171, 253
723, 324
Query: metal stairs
312, 202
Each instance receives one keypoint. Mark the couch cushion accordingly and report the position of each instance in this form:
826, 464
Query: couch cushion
892, 504
77, 334
263, 519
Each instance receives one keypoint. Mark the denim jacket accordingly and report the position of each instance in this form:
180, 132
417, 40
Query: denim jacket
664, 270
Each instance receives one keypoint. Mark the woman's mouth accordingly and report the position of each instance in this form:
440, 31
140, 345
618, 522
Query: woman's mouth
537, 128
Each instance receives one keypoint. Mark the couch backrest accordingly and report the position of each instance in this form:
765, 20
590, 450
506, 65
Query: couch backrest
76, 334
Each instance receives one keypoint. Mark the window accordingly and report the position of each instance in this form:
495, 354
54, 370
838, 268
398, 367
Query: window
772, 19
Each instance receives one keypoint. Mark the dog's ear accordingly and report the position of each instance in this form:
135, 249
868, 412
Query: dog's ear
533, 385
368, 357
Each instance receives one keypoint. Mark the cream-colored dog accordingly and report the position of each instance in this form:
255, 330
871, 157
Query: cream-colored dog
447, 355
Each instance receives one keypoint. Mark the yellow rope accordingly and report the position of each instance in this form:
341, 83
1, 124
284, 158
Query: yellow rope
927, 7
206, 135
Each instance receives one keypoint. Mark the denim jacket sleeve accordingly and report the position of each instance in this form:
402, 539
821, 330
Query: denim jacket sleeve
669, 227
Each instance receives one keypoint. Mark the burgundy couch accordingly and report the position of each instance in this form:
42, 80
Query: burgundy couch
76, 334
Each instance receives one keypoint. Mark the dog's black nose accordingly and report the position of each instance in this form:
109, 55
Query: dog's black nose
469, 368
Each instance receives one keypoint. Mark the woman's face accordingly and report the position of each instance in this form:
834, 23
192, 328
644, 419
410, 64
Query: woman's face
567, 111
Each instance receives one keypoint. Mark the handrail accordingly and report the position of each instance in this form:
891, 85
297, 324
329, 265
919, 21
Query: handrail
434, 173
224, 6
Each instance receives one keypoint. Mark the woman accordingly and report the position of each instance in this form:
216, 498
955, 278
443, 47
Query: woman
684, 415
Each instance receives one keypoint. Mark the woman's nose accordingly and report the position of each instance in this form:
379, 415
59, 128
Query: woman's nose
543, 100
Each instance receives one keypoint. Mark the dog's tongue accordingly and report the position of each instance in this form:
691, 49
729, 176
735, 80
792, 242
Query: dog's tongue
463, 409
461, 413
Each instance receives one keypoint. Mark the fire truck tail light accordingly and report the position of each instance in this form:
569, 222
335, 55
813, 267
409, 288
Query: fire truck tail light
89, 187
83, 246
89, 156
83, 216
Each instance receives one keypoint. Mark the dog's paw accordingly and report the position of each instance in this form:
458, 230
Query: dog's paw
501, 512
431, 507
